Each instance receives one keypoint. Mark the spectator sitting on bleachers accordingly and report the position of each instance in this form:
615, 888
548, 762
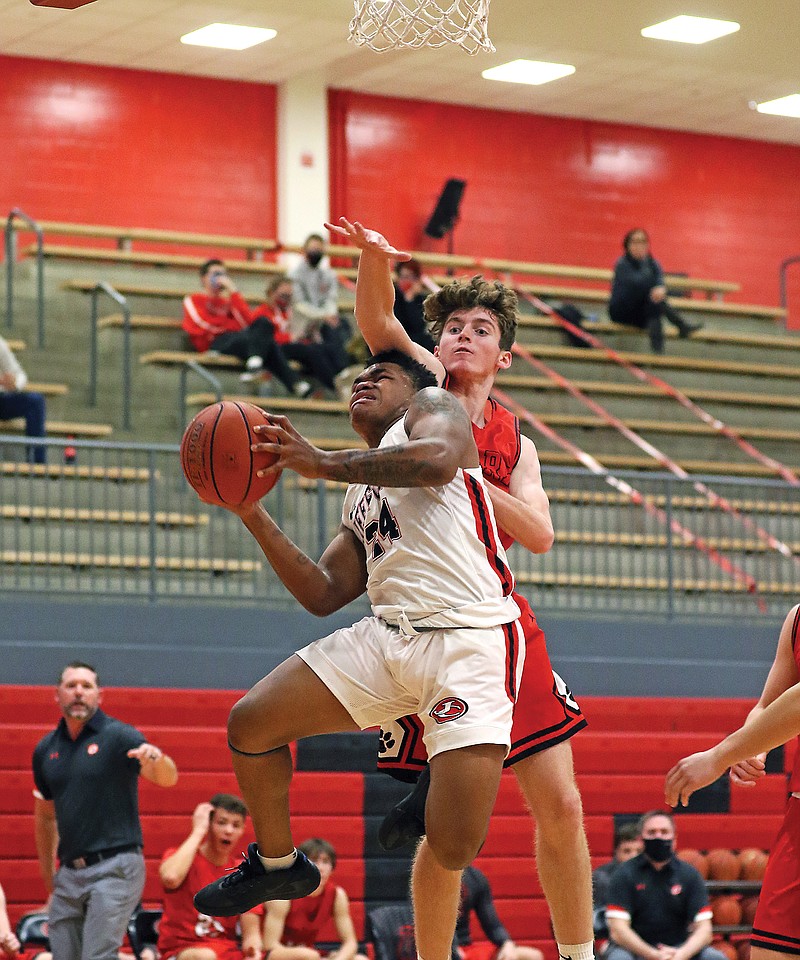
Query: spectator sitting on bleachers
311, 353
658, 907
15, 401
627, 845
476, 895
9, 945
639, 294
316, 312
409, 296
219, 319
292, 927
205, 855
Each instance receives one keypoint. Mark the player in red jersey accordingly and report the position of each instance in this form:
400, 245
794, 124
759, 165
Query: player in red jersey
204, 856
474, 324
772, 721
292, 927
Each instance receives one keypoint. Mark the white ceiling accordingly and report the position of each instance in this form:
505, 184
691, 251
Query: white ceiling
620, 76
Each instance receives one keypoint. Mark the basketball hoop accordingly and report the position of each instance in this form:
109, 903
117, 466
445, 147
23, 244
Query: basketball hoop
385, 25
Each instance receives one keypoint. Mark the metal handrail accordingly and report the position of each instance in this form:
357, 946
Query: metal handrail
11, 257
117, 297
192, 366
782, 284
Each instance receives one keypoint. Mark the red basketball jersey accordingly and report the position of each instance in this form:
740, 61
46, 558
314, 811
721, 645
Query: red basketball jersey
499, 446
307, 916
182, 926
794, 780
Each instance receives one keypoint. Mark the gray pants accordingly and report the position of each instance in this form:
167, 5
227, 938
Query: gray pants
90, 907
614, 952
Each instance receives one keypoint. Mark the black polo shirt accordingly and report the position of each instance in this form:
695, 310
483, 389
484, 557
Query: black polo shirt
93, 783
660, 904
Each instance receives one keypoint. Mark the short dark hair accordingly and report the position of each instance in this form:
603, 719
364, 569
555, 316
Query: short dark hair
501, 301
213, 262
315, 847
313, 236
275, 281
654, 813
630, 234
78, 665
413, 265
627, 832
419, 375
228, 802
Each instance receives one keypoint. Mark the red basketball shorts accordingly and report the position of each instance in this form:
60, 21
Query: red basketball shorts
777, 921
545, 712
224, 949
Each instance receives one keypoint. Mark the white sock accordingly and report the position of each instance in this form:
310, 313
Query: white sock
278, 863
576, 951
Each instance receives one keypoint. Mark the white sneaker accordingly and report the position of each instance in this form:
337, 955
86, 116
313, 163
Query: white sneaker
253, 369
302, 389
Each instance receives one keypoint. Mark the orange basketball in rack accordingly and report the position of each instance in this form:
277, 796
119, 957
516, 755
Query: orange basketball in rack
749, 905
723, 864
726, 947
754, 863
216, 455
697, 859
727, 911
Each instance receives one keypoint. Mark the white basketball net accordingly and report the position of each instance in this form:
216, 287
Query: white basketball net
392, 24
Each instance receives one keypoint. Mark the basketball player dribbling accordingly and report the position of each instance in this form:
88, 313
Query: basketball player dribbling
772, 721
474, 324
418, 534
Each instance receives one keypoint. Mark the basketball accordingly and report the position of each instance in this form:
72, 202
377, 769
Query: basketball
697, 859
749, 905
723, 864
754, 863
216, 455
727, 911
726, 947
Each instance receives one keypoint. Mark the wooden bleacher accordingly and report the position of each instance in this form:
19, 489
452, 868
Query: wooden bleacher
620, 763
62, 428
51, 514
102, 561
79, 471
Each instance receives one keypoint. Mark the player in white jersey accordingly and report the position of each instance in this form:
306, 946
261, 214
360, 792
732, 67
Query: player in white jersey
419, 534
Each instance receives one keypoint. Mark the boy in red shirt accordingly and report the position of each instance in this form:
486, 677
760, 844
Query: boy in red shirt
292, 927
205, 855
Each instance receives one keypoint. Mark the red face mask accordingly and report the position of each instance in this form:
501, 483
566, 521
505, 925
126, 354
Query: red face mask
406, 284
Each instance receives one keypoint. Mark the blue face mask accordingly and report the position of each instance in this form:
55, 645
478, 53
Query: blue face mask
658, 849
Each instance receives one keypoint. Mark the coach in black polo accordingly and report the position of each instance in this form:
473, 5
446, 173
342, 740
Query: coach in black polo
658, 905
87, 812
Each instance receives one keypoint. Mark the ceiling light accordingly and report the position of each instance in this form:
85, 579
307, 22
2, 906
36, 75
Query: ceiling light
685, 29
528, 71
782, 107
228, 36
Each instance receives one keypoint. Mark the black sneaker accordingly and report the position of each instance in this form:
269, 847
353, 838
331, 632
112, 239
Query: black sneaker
250, 884
405, 822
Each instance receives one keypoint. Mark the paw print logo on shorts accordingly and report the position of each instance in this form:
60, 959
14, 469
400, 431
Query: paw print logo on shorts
387, 741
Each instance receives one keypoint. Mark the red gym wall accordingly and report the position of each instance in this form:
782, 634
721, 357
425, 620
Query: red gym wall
102, 145
555, 190
133, 148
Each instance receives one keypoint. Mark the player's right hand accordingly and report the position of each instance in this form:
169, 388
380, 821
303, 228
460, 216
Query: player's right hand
366, 239
749, 772
201, 818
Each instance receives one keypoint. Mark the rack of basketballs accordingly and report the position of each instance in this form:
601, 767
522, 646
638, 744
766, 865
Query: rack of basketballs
734, 883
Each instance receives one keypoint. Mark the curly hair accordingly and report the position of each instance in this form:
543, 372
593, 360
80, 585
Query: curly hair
499, 300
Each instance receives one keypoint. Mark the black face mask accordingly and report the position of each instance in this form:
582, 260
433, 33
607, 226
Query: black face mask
658, 849
314, 257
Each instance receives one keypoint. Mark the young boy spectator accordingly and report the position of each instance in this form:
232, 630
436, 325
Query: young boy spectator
476, 895
16, 401
313, 354
9, 945
219, 319
292, 927
628, 844
205, 855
